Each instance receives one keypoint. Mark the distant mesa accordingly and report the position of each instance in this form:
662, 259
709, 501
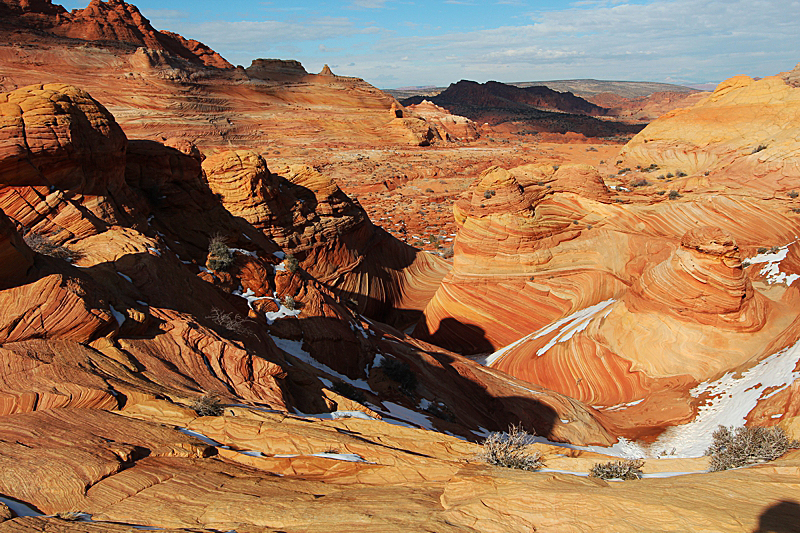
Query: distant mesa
276, 69
525, 110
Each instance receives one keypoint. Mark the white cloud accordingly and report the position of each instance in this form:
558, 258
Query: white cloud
367, 4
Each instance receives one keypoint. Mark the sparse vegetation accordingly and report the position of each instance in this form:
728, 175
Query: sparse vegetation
640, 183
440, 410
624, 170
793, 194
400, 372
511, 450
208, 405
556, 167
488, 194
680, 174
292, 264
345, 389
72, 516
674, 195
230, 321
220, 257
759, 148
670, 175
743, 446
289, 303
41, 244
626, 469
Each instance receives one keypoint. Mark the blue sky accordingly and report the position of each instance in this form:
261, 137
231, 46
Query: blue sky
435, 42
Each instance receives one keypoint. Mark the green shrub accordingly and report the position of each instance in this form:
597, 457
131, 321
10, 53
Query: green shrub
793, 194
674, 195
626, 469
440, 410
399, 371
743, 446
640, 183
510, 450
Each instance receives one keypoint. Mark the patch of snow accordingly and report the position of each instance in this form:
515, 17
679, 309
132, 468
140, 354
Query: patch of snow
779, 415
336, 415
569, 325
730, 399
119, 317
195, 434
249, 295
284, 311
406, 415
772, 268
243, 252
280, 267
350, 457
186, 262
155, 250
624, 448
620, 406
279, 254
126, 278
142, 303
246, 237
295, 348
203, 269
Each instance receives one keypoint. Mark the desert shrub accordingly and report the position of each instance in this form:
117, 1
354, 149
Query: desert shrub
429, 190
447, 253
207, 405
624, 170
510, 450
219, 255
292, 264
670, 175
488, 194
289, 303
774, 249
674, 195
680, 174
556, 167
640, 183
440, 410
793, 194
400, 372
230, 321
348, 391
732, 448
759, 148
41, 244
72, 516
660, 193
626, 469
796, 210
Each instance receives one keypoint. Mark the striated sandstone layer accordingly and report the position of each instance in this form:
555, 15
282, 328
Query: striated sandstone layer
135, 467
630, 292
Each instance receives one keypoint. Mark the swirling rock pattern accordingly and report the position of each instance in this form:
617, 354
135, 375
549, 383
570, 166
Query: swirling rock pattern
628, 299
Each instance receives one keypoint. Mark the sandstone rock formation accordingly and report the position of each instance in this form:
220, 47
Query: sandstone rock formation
455, 127
629, 298
108, 21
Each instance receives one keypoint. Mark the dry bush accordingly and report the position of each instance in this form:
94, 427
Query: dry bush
345, 389
219, 255
289, 303
230, 321
292, 264
41, 244
207, 405
743, 446
400, 372
625, 469
73, 516
510, 450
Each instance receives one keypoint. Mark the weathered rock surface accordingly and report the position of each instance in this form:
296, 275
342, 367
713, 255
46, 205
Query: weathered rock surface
456, 127
627, 297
